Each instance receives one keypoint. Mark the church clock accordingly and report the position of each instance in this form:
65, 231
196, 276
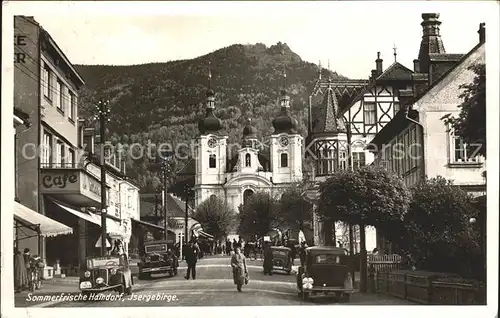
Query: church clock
212, 142
283, 141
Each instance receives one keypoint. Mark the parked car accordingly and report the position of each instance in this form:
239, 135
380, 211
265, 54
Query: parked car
326, 274
106, 273
282, 259
158, 257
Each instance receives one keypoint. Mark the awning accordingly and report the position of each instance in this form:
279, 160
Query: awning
148, 224
195, 229
204, 234
112, 227
47, 226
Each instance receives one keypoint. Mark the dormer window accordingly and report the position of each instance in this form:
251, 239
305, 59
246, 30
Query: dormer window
248, 160
284, 160
212, 161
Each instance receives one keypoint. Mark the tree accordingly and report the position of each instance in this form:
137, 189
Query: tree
370, 196
258, 216
471, 121
438, 233
215, 216
295, 211
367, 196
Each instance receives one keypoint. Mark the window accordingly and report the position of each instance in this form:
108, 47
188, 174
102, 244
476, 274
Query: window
58, 94
60, 154
211, 161
248, 160
463, 152
284, 160
47, 150
396, 107
359, 160
72, 105
370, 113
71, 158
46, 82
342, 160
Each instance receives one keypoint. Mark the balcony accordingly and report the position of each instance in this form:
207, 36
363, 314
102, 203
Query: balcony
70, 183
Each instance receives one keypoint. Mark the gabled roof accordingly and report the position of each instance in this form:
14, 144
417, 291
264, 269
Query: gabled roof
395, 72
399, 121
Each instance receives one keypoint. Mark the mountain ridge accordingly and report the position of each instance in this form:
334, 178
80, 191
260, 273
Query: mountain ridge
163, 101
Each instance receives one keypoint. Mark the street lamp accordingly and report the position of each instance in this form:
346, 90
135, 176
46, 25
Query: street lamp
103, 112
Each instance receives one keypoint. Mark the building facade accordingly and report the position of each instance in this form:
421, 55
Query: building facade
57, 177
236, 172
418, 144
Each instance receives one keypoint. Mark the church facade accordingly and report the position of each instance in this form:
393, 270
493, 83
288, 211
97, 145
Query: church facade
236, 176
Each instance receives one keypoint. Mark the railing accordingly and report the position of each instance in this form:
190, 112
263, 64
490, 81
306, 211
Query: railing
384, 263
427, 288
61, 165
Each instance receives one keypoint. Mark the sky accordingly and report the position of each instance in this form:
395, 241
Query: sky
344, 35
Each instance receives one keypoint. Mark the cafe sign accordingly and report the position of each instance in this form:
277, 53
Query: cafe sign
80, 187
66, 181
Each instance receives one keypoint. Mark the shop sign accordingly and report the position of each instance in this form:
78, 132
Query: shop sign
60, 180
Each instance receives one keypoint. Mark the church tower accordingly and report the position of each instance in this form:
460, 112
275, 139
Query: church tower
285, 144
210, 151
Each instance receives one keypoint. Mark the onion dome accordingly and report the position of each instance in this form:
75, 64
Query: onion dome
209, 124
284, 123
249, 132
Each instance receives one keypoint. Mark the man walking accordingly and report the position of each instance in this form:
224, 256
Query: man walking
192, 252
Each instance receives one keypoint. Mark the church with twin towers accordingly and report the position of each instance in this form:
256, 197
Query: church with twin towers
343, 118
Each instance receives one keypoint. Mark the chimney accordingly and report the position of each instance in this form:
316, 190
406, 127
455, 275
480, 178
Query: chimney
378, 62
416, 66
431, 40
482, 32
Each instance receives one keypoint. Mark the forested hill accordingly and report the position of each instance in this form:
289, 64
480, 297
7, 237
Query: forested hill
163, 102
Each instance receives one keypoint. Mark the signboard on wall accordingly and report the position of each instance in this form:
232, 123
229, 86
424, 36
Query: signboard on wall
91, 187
60, 181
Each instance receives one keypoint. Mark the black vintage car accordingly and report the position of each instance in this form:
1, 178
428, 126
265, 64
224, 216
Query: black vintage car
326, 273
106, 273
282, 259
158, 257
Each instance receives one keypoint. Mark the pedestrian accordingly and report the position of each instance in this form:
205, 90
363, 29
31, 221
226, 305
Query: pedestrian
302, 253
235, 244
240, 272
20, 272
27, 261
268, 259
192, 252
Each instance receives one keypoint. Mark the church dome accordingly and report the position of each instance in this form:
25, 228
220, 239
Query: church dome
284, 122
210, 123
249, 131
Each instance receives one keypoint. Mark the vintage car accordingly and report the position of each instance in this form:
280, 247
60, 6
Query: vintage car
326, 274
158, 257
282, 259
106, 273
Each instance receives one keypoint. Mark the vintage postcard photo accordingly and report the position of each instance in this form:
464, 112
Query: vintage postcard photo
194, 155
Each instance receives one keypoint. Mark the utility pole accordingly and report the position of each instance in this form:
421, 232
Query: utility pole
103, 115
164, 169
186, 216
351, 167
